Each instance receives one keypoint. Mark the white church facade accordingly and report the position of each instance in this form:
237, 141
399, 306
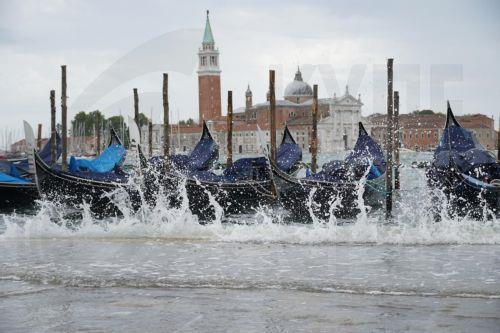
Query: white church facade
339, 130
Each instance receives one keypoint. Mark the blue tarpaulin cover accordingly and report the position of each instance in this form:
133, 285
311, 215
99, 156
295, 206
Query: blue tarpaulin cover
289, 153
243, 169
459, 150
256, 168
366, 152
106, 162
45, 151
5, 178
204, 154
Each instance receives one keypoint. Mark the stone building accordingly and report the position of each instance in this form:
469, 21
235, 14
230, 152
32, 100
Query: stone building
296, 104
339, 130
423, 131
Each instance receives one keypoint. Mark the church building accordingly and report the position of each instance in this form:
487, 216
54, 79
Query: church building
337, 117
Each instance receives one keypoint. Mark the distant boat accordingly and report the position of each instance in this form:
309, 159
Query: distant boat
466, 172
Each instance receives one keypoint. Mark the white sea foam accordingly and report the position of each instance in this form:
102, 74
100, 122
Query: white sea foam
413, 222
407, 227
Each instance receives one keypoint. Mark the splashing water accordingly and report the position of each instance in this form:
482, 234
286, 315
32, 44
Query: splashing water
413, 221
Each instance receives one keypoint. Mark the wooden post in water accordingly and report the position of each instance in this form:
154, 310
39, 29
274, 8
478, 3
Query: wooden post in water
314, 132
136, 109
39, 137
98, 133
397, 141
272, 115
150, 138
388, 180
53, 140
166, 126
64, 120
229, 128
498, 140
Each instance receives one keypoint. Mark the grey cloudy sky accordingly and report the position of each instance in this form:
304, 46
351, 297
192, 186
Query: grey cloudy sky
442, 50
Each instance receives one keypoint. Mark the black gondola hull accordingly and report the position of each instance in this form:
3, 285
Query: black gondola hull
305, 198
71, 190
462, 198
17, 195
206, 198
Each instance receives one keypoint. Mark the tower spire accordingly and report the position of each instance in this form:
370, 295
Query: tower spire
208, 37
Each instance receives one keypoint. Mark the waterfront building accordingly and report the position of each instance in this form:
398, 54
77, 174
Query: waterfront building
422, 131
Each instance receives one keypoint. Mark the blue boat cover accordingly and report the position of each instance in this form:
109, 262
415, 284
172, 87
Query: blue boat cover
289, 153
455, 137
366, 152
44, 153
116, 175
459, 150
5, 178
5, 166
243, 169
256, 168
204, 154
106, 162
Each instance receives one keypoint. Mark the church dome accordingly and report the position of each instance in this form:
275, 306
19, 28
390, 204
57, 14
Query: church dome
298, 88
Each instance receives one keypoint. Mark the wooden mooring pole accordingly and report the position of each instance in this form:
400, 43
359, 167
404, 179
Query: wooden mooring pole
498, 140
229, 128
397, 141
166, 125
64, 119
53, 139
98, 133
272, 115
390, 105
136, 109
150, 138
314, 132
39, 137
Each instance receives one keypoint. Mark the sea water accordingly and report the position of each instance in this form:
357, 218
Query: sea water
160, 270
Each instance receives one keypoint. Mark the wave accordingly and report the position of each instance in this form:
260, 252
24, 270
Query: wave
235, 284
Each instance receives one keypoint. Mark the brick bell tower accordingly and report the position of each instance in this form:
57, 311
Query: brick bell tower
209, 91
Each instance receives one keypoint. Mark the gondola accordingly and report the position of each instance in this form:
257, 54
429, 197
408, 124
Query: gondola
335, 189
17, 186
83, 183
467, 174
92, 182
243, 187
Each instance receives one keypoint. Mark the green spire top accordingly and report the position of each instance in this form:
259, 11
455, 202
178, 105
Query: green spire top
208, 38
